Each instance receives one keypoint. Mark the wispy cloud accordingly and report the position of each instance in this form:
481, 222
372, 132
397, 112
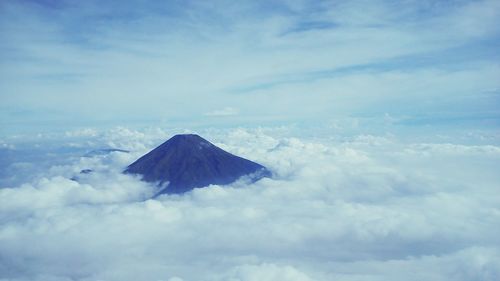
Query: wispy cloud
173, 60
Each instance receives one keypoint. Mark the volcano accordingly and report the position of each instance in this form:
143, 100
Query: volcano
188, 161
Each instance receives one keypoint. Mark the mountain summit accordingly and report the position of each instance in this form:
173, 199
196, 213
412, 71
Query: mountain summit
189, 161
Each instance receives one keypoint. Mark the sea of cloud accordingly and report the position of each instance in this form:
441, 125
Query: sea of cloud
359, 207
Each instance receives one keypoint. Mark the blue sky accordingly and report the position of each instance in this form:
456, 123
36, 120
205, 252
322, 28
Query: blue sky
67, 64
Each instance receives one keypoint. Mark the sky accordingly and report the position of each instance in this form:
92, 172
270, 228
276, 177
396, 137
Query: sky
75, 64
379, 120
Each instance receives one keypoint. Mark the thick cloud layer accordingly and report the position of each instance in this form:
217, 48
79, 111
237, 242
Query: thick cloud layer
338, 208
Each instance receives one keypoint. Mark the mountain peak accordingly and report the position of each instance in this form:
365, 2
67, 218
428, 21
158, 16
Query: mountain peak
187, 137
188, 161
189, 140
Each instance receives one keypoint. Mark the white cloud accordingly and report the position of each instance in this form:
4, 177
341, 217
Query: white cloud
266, 272
339, 208
226, 111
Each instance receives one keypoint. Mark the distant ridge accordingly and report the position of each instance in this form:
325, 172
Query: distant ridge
189, 161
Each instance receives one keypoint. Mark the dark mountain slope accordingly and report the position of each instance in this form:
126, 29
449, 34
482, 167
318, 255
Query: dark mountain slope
189, 161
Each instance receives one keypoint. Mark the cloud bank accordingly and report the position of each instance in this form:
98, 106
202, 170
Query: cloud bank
360, 207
